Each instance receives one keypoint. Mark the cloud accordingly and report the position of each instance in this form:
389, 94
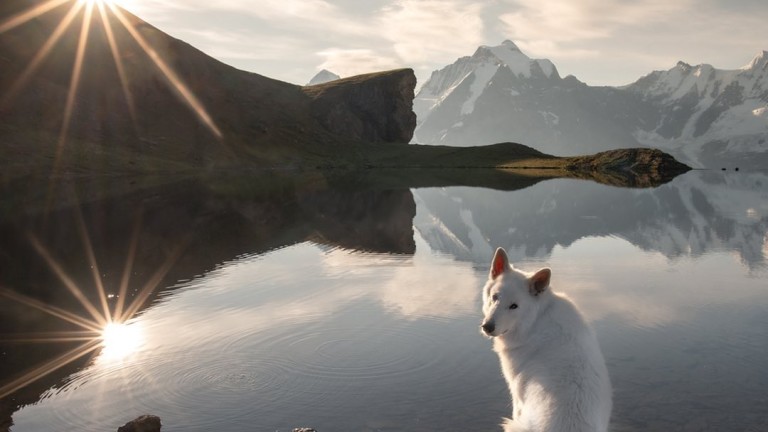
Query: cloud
600, 41
348, 62
266, 9
423, 30
555, 27
612, 42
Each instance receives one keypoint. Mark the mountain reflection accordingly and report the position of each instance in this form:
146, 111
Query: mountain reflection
135, 226
695, 214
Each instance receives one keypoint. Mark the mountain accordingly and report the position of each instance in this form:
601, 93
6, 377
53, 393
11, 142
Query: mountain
323, 77
130, 97
702, 115
87, 88
708, 114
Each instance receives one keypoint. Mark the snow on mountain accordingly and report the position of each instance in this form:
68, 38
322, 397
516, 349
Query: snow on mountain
711, 115
476, 72
323, 77
703, 115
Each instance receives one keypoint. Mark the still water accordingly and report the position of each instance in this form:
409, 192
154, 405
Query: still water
357, 309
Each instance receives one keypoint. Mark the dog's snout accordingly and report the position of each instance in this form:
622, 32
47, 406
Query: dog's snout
488, 327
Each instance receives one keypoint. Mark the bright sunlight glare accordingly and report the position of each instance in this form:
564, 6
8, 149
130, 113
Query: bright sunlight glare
127, 4
120, 340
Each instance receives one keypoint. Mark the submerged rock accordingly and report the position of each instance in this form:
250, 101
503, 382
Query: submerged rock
144, 423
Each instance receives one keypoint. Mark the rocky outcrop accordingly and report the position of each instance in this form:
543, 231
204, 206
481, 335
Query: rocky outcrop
638, 160
374, 107
145, 423
637, 167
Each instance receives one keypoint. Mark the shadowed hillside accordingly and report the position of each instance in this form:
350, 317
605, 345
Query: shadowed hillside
165, 105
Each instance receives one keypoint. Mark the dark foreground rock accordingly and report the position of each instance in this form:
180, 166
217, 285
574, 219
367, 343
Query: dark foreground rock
144, 423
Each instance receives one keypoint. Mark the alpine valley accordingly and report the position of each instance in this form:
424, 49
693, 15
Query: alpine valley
704, 116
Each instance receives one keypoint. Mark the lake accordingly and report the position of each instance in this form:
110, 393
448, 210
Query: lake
264, 305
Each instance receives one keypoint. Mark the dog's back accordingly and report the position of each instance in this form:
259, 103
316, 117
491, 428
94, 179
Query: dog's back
558, 380
550, 357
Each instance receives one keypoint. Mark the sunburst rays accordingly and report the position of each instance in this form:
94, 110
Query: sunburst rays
100, 314
173, 79
107, 10
102, 325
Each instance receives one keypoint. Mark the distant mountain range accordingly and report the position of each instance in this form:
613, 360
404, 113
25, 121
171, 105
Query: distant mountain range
704, 116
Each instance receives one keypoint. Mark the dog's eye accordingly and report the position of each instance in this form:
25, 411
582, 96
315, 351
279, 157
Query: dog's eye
495, 297
513, 306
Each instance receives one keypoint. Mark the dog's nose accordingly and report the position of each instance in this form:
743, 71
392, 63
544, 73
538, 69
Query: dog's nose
488, 327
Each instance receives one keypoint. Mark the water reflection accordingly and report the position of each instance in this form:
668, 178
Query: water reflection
109, 243
282, 329
314, 302
695, 214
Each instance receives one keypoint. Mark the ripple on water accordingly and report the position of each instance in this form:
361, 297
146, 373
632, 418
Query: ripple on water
256, 377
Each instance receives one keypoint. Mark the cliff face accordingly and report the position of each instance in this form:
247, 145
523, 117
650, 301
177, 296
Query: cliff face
374, 107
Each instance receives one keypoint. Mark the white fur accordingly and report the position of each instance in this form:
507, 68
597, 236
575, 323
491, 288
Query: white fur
549, 355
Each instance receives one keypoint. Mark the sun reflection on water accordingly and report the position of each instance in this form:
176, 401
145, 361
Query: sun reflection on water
110, 332
119, 341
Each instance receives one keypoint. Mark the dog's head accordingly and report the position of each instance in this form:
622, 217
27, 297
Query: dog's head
511, 298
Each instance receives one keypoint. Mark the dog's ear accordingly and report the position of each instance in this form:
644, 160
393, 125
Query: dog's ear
540, 281
500, 263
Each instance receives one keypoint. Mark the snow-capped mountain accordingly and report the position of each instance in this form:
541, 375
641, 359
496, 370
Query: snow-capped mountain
705, 116
323, 77
708, 114
473, 74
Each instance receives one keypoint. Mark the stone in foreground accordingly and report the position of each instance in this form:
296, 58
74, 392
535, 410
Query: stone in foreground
144, 423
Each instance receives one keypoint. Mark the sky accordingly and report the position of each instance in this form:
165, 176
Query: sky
601, 42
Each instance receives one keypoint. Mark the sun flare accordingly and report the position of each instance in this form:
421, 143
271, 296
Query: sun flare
98, 328
122, 3
118, 341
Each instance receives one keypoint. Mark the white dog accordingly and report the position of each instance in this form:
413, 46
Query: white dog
549, 355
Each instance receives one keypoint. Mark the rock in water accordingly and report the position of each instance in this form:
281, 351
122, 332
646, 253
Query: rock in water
145, 423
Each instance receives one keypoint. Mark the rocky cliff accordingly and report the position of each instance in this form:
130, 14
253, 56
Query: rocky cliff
374, 107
